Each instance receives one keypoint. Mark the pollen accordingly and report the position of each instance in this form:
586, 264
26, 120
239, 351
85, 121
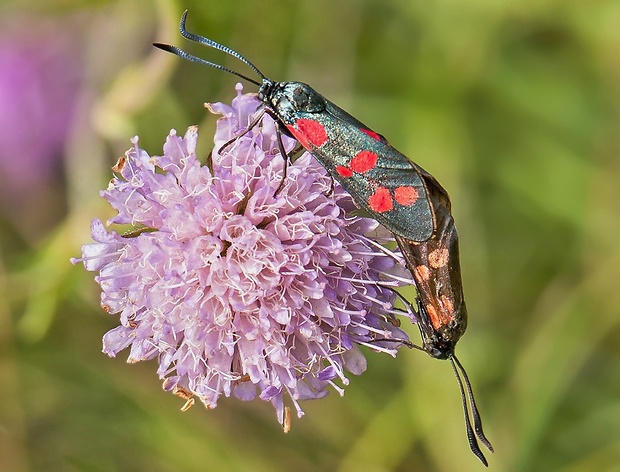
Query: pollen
363, 162
406, 196
118, 168
381, 201
438, 258
312, 131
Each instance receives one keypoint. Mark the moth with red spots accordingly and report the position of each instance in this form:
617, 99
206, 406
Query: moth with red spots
379, 178
398, 193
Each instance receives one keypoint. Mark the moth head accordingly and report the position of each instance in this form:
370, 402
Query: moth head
288, 98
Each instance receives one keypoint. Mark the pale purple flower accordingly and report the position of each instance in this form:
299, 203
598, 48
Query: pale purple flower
39, 76
235, 289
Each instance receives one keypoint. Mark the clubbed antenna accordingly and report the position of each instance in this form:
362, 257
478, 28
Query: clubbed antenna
471, 437
209, 42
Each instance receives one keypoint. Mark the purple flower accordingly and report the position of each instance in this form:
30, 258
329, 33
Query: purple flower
235, 289
39, 75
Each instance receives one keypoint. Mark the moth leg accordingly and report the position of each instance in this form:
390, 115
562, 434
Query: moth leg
284, 155
331, 186
254, 122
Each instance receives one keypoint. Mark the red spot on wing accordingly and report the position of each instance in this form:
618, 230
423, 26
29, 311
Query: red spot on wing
381, 201
371, 133
309, 132
298, 136
433, 316
363, 162
344, 171
406, 196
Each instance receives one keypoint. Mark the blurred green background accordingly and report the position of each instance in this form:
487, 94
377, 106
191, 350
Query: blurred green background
513, 106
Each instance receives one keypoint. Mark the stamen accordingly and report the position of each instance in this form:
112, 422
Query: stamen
397, 257
375, 347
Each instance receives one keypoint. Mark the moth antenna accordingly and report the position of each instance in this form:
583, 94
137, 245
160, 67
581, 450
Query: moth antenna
220, 47
184, 55
471, 437
209, 42
474, 409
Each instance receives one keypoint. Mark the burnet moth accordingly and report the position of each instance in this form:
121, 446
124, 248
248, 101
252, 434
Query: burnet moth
398, 193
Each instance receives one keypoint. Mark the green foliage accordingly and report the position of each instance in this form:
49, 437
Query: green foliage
513, 106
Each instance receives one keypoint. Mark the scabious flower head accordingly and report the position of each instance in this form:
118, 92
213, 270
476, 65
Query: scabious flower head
238, 289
